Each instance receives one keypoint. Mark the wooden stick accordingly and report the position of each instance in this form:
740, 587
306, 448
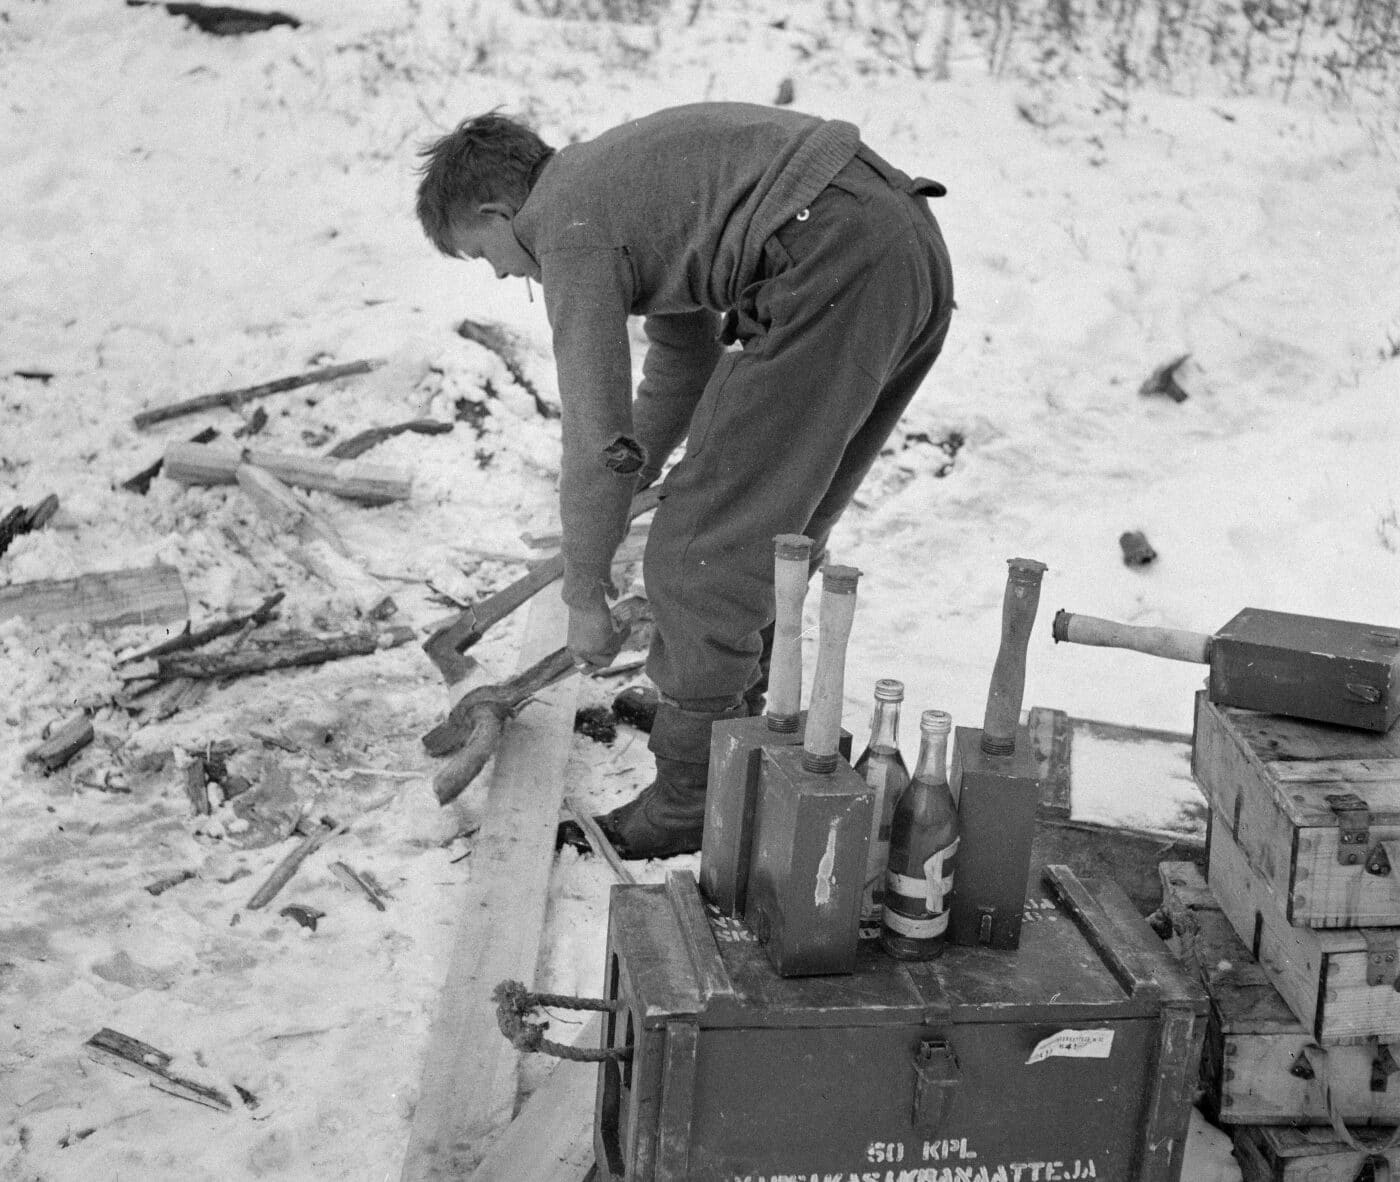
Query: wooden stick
791, 556
288, 866
236, 398
503, 344
357, 445
1175, 644
134, 1057
1018, 607
141, 482
105, 599
218, 463
63, 743
355, 882
188, 639
820, 746
307, 651
446, 645
599, 840
319, 546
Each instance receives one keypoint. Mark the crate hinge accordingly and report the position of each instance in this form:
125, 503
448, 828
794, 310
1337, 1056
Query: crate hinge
1380, 955
1353, 826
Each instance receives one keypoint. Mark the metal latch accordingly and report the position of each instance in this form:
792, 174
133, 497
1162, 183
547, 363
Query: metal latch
1302, 1065
1353, 825
936, 1078
1380, 955
1383, 1065
1383, 857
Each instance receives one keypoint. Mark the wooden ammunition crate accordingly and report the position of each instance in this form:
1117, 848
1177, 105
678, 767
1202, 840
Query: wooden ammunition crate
1074, 1056
1314, 807
1282, 1154
1339, 982
1260, 1066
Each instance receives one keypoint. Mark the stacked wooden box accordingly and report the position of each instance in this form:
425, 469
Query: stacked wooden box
1297, 940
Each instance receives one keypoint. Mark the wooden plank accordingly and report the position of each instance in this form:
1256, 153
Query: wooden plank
105, 599
1339, 771
1052, 736
470, 1075
551, 1140
217, 463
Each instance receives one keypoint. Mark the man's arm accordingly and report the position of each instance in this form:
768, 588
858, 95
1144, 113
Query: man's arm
587, 294
684, 349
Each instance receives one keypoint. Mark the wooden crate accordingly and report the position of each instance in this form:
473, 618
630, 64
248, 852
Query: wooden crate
1282, 1154
1072, 1057
1259, 1065
1315, 808
1339, 982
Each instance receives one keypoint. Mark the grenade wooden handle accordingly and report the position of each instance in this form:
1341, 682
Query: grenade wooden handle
1018, 607
1176, 644
791, 556
829, 681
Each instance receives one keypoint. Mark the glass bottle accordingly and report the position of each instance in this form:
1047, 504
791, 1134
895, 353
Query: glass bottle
923, 849
883, 768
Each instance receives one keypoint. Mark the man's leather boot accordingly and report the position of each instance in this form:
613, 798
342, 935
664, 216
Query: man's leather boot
668, 816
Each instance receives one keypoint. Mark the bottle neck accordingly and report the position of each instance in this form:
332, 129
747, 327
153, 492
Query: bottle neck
884, 726
932, 767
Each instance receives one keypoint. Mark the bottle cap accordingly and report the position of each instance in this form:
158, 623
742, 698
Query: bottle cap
935, 722
887, 689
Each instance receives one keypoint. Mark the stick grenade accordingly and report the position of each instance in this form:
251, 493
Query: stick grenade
996, 783
811, 829
1308, 667
732, 791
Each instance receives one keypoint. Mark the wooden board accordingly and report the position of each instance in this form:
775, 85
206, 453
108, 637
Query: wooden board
470, 1077
1281, 1154
1321, 973
1258, 1056
105, 599
1268, 780
551, 1140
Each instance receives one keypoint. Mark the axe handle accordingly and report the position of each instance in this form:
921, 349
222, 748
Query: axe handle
791, 556
1008, 686
829, 681
1176, 644
445, 646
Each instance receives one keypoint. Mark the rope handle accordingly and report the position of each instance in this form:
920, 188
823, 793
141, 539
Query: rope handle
514, 1001
1375, 1154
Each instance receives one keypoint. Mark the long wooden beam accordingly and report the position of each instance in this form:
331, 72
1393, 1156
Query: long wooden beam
471, 1073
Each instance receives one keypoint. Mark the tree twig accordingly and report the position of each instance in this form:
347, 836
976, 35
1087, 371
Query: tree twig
236, 398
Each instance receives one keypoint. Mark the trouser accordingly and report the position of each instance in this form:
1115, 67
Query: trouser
839, 329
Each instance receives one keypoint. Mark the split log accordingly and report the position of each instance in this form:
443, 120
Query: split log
141, 482
233, 399
372, 484
319, 546
161, 885
284, 870
20, 520
105, 599
447, 644
310, 650
357, 445
63, 743
475, 723
505, 345
197, 786
195, 639
134, 1057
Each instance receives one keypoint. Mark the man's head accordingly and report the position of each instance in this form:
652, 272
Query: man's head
473, 182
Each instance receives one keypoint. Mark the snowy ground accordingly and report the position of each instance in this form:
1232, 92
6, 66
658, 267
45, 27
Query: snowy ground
184, 214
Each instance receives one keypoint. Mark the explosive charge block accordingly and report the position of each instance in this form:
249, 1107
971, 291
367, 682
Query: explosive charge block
996, 797
811, 833
731, 799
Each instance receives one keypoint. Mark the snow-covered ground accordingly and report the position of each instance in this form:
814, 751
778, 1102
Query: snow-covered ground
181, 213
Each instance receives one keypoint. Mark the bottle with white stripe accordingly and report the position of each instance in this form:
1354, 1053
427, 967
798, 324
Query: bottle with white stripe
883, 768
923, 851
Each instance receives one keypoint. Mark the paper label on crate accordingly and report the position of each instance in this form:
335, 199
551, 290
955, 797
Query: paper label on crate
1073, 1044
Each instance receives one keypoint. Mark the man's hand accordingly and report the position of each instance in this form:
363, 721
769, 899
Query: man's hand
593, 639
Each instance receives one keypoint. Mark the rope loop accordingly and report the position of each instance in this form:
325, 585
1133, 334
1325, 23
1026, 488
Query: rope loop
514, 1002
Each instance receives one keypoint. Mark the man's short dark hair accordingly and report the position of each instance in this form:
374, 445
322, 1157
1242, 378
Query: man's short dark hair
484, 159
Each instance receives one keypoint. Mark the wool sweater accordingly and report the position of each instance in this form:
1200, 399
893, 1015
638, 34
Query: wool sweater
664, 217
